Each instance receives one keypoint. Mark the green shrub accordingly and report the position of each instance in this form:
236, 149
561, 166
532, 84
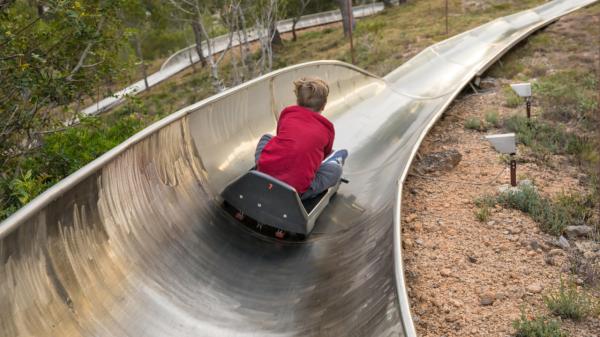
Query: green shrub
568, 95
568, 302
540, 326
545, 138
512, 99
474, 123
484, 205
493, 119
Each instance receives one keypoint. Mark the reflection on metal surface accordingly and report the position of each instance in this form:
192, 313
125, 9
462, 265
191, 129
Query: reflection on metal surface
135, 243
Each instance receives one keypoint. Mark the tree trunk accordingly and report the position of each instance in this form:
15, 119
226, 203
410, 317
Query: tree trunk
388, 3
274, 34
138, 51
347, 15
198, 37
294, 22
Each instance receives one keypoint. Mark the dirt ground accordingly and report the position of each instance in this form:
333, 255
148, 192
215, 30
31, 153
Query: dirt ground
472, 278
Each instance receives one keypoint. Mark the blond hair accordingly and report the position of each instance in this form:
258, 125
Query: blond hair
311, 92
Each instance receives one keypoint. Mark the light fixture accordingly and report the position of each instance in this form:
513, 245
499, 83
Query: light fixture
524, 90
507, 144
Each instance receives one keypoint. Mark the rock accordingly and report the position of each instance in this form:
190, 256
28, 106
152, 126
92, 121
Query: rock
445, 272
533, 244
501, 296
556, 252
491, 223
549, 260
515, 230
418, 226
419, 242
487, 298
589, 255
472, 258
525, 182
535, 288
578, 231
439, 161
455, 303
563, 243
411, 217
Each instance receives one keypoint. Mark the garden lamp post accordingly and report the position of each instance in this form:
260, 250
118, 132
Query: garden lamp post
524, 90
506, 143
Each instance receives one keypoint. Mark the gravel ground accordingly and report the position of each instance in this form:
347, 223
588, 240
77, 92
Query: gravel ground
471, 278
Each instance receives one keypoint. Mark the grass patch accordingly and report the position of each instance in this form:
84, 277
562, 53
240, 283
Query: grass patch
474, 123
568, 302
493, 119
512, 100
568, 95
484, 204
540, 326
545, 139
553, 216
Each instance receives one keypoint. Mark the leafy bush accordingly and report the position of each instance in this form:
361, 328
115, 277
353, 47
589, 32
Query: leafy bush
545, 138
553, 217
568, 95
512, 99
484, 203
540, 326
61, 154
568, 302
492, 118
474, 123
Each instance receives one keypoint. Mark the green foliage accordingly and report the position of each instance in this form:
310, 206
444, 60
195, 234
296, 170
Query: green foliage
545, 139
540, 326
568, 95
512, 99
61, 154
493, 119
553, 216
474, 123
484, 205
568, 302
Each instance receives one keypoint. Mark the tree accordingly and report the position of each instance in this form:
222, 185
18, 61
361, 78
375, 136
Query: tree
199, 14
347, 14
298, 7
53, 54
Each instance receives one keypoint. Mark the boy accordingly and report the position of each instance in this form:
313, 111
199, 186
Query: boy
301, 152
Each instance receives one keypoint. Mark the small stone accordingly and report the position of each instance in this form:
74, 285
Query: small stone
579, 281
501, 296
589, 255
419, 242
555, 252
411, 217
525, 182
563, 243
414, 191
516, 230
451, 318
550, 260
535, 288
445, 272
533, 244
491, 223
578, 231
455, 303
418, 226
531, 253
487, 298
472, 258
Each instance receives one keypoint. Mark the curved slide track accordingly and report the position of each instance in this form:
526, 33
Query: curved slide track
136, 243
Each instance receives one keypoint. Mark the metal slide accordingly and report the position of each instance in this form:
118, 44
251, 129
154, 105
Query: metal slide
136, 244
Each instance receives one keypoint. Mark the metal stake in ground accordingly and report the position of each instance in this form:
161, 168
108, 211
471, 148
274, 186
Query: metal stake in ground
350, 16
507, 144
513, 170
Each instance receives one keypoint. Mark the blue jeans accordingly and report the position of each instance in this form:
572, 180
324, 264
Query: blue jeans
328, 174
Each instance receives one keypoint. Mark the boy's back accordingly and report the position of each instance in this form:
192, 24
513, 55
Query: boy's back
304, 138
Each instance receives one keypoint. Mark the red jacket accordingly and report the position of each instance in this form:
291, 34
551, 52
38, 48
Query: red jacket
304, 138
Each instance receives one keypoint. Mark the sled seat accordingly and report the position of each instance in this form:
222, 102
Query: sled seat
272, 202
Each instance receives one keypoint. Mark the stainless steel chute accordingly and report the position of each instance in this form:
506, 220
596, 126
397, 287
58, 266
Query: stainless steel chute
135, 243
